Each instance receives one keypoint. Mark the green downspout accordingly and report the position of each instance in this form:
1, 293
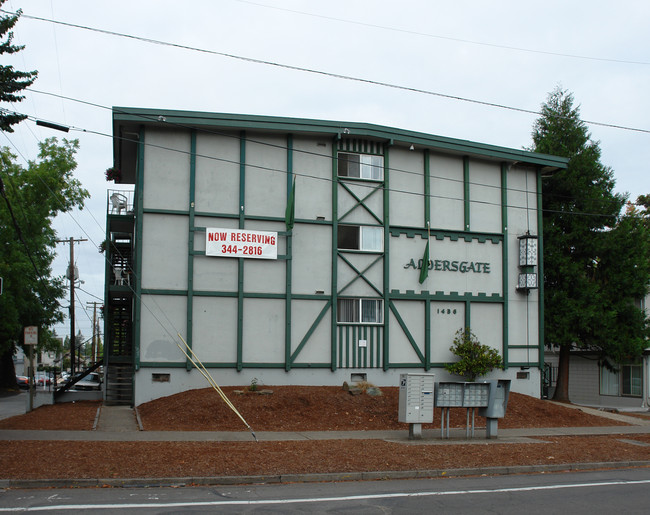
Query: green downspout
386, 356
427, 189
466, 195
190, 246
466, 191
288, 287
139, 208
240, 267
335, 229
504, 260
540, 269
427, 224
427, 334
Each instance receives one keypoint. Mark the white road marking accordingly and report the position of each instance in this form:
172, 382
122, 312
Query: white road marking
131, 506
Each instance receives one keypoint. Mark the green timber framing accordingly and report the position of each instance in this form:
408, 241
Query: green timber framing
359, 134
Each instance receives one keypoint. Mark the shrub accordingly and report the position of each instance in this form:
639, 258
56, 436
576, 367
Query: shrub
475, 359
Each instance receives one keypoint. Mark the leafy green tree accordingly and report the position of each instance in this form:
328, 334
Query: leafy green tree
12, 81
31, 199
476, 359
596, 258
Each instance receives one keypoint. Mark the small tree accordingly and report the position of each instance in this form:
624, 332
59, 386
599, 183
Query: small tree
475, 359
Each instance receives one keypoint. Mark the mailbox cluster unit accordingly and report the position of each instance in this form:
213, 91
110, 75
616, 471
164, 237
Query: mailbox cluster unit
419, 395
416, 401
491, 397
496, 406
416, 398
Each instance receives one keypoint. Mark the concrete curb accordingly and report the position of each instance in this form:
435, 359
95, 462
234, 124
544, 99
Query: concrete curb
99, 410
138, 419
311, 478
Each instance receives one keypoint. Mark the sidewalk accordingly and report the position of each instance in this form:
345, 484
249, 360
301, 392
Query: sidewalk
119, 424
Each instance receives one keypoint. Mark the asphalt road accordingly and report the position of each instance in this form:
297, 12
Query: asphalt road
610, 491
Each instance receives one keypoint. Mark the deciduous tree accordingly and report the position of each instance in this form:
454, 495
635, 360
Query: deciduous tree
31, 198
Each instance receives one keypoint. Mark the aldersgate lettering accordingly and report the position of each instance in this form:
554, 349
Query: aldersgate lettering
444, 265
241, 243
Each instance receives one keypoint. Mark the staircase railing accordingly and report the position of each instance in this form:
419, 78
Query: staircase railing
77, 377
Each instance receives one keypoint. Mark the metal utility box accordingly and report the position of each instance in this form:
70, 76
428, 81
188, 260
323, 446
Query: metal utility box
498, 399
416, 398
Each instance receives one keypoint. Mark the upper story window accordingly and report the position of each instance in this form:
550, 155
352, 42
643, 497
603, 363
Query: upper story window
361, 237
361, 166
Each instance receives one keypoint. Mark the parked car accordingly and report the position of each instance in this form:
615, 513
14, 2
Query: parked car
92, 381
42, 379
23, 382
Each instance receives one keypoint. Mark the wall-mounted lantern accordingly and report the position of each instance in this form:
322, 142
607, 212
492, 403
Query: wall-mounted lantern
527, 262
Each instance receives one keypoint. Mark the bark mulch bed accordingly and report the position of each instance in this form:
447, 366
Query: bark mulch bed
330, 408
295, 408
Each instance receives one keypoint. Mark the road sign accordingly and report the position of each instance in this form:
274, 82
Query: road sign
31, 335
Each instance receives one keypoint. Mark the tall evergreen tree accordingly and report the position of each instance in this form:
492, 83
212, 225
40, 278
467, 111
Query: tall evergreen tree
11, 81
596, 260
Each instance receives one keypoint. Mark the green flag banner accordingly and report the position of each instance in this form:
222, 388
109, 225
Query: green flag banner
424, 271
290, 213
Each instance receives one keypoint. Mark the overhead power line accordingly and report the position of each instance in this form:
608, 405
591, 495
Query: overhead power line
446, 38
313, 71
296, 173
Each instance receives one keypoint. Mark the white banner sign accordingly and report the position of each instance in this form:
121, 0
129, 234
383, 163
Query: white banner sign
240, 243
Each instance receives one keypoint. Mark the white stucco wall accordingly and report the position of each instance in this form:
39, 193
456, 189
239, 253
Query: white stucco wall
214, 304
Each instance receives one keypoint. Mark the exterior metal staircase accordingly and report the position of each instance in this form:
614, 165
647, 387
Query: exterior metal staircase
118, 310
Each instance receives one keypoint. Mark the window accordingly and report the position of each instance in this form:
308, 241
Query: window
356, 237
355, 311
627, 381
608, 381
640, 303
362, 166
631, 380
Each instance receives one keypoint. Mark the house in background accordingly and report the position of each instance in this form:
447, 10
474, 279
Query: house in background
291, 251
594, 382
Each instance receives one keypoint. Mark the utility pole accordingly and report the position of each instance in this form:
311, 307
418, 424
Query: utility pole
95, 350
71, 276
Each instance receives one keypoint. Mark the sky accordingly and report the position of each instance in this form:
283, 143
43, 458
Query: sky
460, 55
